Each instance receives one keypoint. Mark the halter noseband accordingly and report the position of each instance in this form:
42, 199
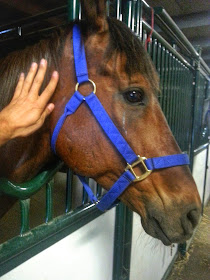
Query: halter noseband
132, 160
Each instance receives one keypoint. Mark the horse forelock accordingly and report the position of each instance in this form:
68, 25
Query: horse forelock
124, 41
20, 61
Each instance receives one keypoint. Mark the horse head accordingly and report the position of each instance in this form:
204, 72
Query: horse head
127, 84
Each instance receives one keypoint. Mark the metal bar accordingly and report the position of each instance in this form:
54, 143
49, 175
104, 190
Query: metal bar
177, 102
154, 52
108, 7
193, 126
181, 109
69, 183
133, 16
176, 84
24, 207
98, 191
171, 105
73, 9
165, 96
166, 44
49, 201
28, 35
139, 19
192, 20
171, 26
85, 195
36, 18
163, 16
184, 110
162, 74
175, 115
149, 46
158, 64
200, 149
26, 190
122, 244
118, 242
190, 96
144, 37
205, 66
205, 177
127, 243
187, 118
22, 248
169, 88
127, 13
118, 9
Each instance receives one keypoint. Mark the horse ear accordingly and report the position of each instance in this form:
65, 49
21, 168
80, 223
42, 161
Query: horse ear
94, 11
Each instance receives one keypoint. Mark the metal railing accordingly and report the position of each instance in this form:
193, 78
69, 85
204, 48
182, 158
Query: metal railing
77, 211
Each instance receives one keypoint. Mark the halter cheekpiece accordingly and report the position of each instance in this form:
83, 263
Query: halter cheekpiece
132, 160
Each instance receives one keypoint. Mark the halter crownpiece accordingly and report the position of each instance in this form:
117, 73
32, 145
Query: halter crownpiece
132, 160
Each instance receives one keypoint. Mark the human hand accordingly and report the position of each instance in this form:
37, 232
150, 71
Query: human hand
27, 110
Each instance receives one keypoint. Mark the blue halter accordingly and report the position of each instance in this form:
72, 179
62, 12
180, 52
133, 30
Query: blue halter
132, 160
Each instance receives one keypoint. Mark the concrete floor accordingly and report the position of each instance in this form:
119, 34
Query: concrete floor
196, 264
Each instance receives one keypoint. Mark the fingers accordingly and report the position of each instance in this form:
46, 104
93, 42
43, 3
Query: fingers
30, 128
50, 107
29, 110
38, 80
29, 79
48, 110
49, 90
19, 86
31, 85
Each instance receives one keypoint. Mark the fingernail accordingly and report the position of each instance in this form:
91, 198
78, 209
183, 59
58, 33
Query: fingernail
34, 65
43, 61
55, 74
51, 107
22, 75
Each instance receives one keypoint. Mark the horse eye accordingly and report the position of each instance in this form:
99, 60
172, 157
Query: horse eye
134, 96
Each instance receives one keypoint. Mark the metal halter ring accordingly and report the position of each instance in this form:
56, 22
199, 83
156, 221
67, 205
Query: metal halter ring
90, 81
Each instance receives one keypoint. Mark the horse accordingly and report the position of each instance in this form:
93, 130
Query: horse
127, 86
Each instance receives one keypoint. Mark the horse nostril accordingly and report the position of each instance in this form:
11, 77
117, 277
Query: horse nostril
190, 220
193, 217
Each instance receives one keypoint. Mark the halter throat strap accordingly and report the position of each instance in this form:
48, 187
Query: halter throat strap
132, 160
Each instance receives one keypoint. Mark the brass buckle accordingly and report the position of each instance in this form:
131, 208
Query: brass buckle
130, 167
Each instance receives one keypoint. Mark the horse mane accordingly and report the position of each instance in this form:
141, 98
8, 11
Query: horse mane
13, 64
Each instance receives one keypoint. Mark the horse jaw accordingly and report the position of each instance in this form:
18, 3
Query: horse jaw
165, 214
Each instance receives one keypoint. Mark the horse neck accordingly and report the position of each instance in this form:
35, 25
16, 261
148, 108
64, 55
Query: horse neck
66, 84
22, 158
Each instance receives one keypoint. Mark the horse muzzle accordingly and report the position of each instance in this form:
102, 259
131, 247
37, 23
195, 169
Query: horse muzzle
170, 226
